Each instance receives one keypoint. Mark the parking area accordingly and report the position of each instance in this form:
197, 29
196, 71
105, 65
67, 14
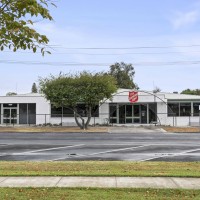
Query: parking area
140, 146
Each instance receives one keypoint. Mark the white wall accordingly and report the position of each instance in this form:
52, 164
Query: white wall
42, 105
103, 113
43, 108
162, 113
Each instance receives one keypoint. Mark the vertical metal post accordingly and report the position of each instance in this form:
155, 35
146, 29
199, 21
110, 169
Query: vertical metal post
62, 116
45, 119
148, 122
199, 118
189, 121
13, 121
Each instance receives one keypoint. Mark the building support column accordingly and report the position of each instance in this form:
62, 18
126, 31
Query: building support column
147, 113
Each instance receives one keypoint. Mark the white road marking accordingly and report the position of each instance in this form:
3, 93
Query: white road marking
49, 149
172, 155
2, 145
103, 152
151, 156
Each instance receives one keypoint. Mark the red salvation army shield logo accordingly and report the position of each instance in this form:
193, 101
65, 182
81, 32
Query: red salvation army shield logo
133, 97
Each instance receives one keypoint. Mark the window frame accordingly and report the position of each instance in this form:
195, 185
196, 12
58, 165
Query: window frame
196, 114
62, 111
169, 114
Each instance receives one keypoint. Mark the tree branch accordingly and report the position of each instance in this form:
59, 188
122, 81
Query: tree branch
5, 5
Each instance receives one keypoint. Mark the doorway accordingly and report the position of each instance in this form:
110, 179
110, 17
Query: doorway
129, 114
10, 114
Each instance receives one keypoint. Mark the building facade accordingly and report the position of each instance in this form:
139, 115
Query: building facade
149, 108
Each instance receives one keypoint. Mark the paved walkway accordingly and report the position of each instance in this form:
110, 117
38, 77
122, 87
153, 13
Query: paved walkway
136, 129
102, 182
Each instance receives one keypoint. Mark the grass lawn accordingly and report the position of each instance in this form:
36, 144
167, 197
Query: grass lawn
100, 168
181, 129
47, 129
97, 194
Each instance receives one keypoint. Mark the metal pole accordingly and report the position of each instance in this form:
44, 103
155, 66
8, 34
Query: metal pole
45, 119
62, 116
199, 118
189, 121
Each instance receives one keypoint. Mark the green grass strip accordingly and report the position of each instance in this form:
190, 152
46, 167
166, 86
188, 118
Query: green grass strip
101, 168
97, 194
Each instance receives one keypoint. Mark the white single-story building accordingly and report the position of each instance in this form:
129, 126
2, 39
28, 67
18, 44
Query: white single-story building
161, 108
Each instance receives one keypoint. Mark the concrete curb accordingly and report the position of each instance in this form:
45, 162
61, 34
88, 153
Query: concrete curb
102, 182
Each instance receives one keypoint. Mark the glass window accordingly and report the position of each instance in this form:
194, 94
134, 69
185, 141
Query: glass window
68, 112
173, 109
196, 109
95, 111
129, 109
113, 110
23, 114
144, 114
10, 105
6, 113
185, 109
0, 113
13, 121
129, 120
31, 113
136, 110
113, 120
56, 112
113, 113
122, 114
137, 120
6, 121
152, 112
81, 109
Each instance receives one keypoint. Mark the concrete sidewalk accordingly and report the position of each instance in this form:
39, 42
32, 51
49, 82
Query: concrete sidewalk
102, 182
136, 129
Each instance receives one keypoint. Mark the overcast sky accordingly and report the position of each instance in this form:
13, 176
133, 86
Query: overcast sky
129, 30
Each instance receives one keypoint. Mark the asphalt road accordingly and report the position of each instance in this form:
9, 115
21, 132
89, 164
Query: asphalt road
100, 146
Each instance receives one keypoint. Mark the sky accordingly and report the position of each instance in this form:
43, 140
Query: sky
160, 38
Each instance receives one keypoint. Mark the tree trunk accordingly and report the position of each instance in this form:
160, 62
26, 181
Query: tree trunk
83, 125
77, 122
89, 115
76, 115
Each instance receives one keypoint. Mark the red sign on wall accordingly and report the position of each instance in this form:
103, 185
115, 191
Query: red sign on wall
133, 97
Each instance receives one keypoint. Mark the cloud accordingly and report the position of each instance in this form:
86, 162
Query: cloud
185, 19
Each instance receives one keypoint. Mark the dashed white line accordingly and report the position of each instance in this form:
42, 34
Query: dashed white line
3, 145
49, 149
103, 152
172, 155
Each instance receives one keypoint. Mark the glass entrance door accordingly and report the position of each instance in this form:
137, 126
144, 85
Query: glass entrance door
122, 115
136, 114
10, 115
132, 114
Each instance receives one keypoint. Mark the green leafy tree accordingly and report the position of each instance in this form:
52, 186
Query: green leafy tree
11, 94
34, 88
69, 90
156, 90
16, 18
124, 74
192, 92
